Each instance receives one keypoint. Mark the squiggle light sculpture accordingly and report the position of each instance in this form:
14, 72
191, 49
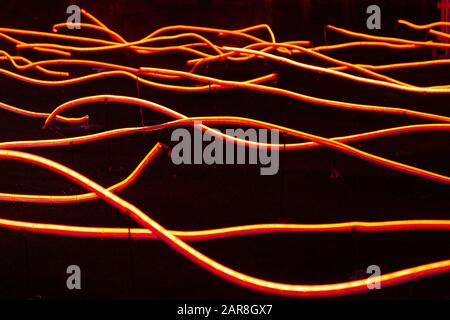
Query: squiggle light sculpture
206, 51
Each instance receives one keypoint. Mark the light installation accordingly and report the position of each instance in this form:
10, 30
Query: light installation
198, 41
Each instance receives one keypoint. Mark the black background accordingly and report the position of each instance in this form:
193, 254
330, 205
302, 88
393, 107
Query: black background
197, 197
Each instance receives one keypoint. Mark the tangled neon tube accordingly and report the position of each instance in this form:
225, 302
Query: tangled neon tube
201, 47
297, 290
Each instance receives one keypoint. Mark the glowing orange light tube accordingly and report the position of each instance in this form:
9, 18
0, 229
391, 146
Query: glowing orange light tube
13, 59
236, 277
231, 120
205, 51
364, 44
341, 74
320, 56
424, 26
298, 96
156, 150
40, 114
269, 46
115, 73
118, 45
388, 39
402, 65
226, 232
440, 34
214, 83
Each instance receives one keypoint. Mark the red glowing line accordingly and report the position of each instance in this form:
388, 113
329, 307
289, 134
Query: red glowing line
13, 59
236, 277
156, 150
239, 33
120, 46
214, 83
365, 44
111, 33
53, 36
213, 52
107, 45
226, 232
43, 115
388, 39
402, 65
185, 121
105, 74
344, 65
135, 48
18, 42
311, 67
297, 96
424, 26
400, 85
233, 120
269, 46
440, 34
341, 74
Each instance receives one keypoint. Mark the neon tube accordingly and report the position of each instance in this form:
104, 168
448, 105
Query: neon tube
226, 273
156, 150
230, 120
388, 39
226, 232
